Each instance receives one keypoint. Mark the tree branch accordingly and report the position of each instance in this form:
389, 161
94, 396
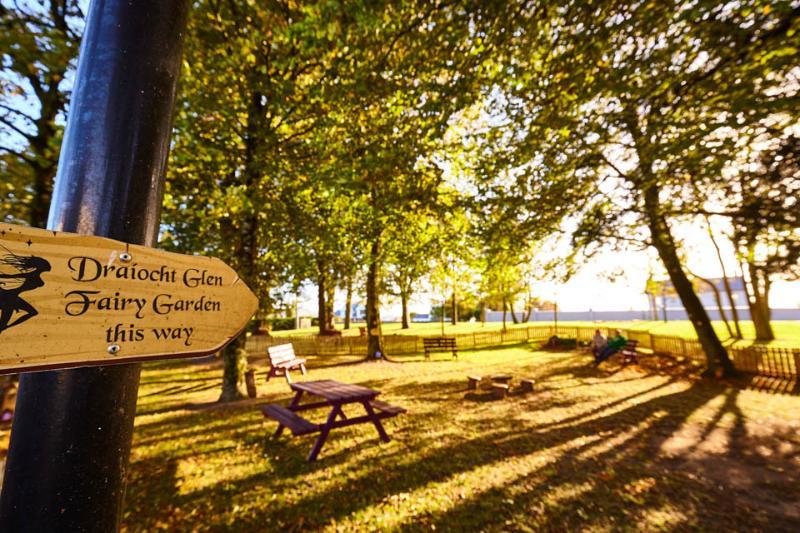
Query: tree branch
28, 159
10, 124
17, 112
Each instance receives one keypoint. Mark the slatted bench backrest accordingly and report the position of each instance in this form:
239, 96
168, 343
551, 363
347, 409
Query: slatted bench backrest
439, 342
281, 353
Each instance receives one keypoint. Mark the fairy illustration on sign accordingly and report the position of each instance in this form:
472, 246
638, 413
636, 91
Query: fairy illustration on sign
18, 274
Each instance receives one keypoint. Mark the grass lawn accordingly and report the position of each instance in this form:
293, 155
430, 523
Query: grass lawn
613, 448
786, 331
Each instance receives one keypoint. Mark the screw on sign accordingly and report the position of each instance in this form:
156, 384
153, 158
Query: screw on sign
73, 300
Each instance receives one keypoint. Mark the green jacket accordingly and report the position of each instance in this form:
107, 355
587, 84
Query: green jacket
617, 343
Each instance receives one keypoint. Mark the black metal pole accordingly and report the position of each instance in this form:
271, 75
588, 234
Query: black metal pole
71, 438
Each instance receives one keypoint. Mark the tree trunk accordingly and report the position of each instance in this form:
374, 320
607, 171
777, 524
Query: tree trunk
234, 364
43, 177
528, 309
404, 305
322, 318
454, 316
297, 309
505, 308
758, 301
651, 299
664, 243
726, 282
555, 318
513, 313
348, 303
734, 312
374, 341
483, 312
234, 356
329, 303
718, 299
246, 237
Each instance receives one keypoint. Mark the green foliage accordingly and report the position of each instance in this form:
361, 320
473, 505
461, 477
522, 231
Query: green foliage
244, 108
248, 104
613, 100
38, 44
413, 142
625, 115
281, 324
763, 201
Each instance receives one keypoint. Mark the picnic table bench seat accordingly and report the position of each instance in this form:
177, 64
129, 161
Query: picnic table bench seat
282, 359
388, 409
500, 390
473, 382
439, 344
287, 418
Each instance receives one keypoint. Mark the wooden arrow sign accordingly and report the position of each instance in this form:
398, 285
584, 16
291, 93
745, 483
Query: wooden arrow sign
76, 300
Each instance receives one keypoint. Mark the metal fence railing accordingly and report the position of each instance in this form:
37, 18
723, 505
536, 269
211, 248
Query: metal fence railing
763, 360
767, 361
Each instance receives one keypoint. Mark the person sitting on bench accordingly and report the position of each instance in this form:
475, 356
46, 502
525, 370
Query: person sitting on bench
598, 343
614, 345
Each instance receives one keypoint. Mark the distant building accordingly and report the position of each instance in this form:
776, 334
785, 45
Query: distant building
672, 302
668, 306
421, 317
357, 312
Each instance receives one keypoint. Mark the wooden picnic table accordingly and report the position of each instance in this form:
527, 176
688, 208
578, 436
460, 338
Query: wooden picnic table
333, 394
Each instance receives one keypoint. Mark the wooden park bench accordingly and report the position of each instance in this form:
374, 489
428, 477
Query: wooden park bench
334, 395
282, 359
440, 344
629, 354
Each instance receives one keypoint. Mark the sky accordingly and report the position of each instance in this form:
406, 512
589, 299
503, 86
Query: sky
614, 281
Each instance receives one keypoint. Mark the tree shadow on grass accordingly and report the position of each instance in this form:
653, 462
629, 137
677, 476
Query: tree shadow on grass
622, 484
151, 487
441, 463
618, 473
321, 362
432, 391
604, 468
768, 384
183, 389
